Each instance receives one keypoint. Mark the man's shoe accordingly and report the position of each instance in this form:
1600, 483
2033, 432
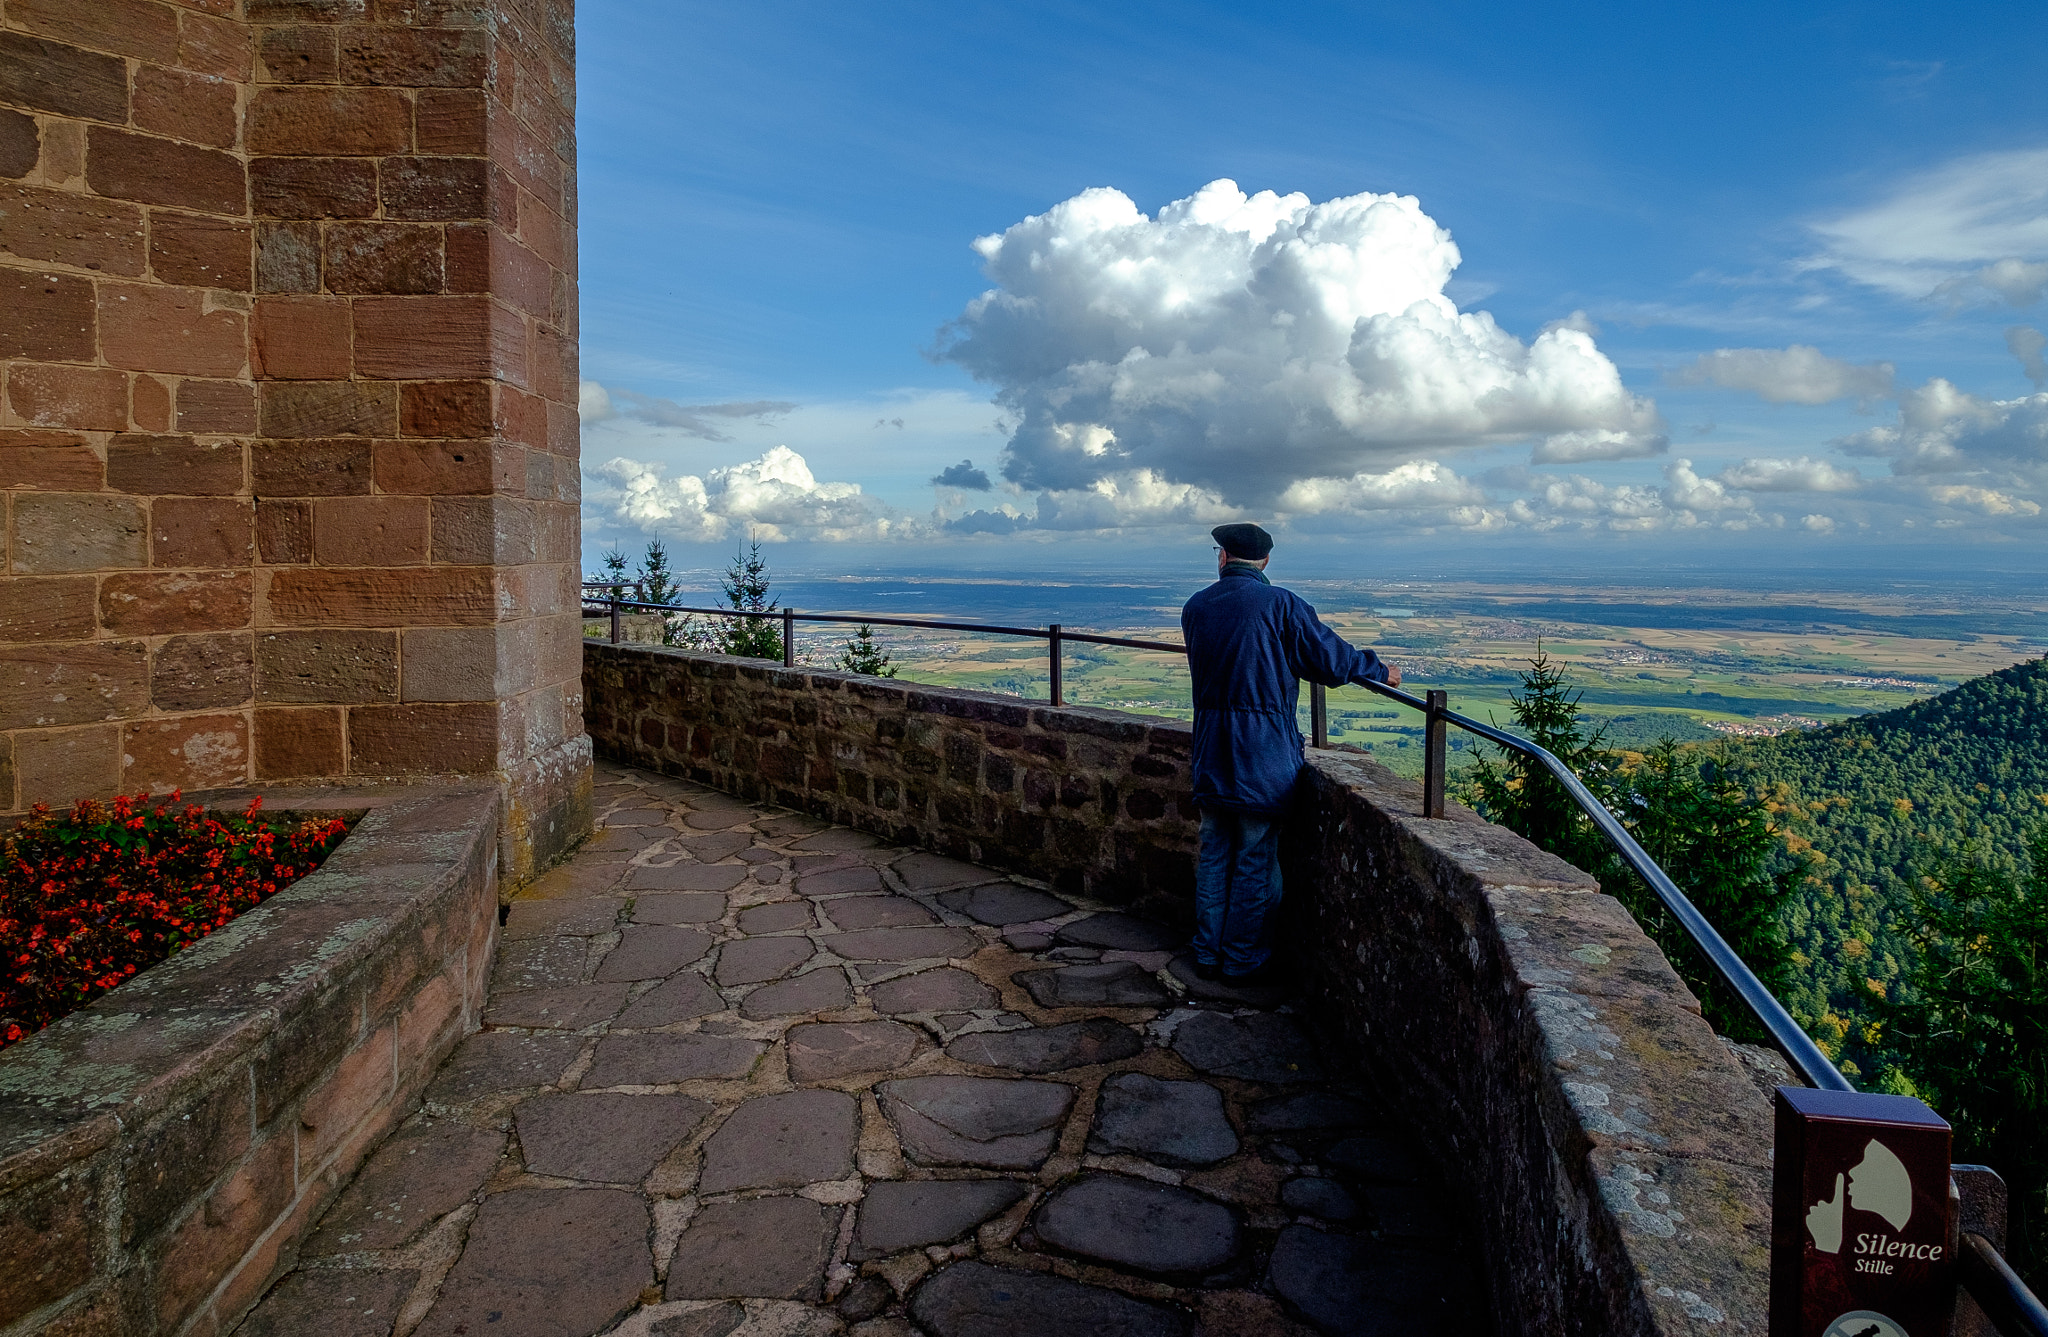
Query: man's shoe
1267, 976
1206, 970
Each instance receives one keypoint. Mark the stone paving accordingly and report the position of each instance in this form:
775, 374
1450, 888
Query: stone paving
744, 1074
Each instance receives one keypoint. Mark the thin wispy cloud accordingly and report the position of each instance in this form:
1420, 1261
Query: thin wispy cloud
703, 422
1972, 230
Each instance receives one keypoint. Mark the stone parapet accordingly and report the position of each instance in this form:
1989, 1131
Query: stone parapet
1090, 800
1612, 1152
164, 1150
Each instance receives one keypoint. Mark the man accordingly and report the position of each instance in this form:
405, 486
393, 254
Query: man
1249, 645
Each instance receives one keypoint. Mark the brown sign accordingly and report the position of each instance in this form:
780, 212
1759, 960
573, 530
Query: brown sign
1859, 1217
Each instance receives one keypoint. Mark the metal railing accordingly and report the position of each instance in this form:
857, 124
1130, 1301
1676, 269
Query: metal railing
2004, 1297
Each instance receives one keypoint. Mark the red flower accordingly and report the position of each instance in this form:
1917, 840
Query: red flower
90, 897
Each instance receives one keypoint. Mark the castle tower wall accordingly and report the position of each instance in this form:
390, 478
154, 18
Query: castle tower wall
288, 437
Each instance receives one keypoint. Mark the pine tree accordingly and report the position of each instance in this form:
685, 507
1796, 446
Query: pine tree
657, 581
862, 655
746, 590
1520, 795
614, 573
1973, 1030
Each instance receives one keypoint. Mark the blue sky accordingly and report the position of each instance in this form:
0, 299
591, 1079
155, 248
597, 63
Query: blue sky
779, 203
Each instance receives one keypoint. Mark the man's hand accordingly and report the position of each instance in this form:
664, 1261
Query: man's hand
1393, 675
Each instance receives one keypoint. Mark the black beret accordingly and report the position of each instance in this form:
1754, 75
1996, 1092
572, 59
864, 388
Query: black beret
1246, 541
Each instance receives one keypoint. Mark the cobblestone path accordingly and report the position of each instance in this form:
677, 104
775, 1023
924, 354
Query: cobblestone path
743, 1074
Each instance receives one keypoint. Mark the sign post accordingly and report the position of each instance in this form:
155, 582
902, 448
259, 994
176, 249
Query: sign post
1861, 1236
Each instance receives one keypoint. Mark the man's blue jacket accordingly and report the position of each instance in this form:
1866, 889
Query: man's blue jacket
1249, 645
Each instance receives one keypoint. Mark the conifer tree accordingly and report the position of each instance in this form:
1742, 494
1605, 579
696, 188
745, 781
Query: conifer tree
863, 655
746, 590
614, 573
657, 581
1520, 795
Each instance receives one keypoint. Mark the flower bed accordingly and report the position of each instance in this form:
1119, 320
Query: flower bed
90, 897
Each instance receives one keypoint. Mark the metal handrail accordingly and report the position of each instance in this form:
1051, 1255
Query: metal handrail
2004, 1297
1798, 1048
1998, 1290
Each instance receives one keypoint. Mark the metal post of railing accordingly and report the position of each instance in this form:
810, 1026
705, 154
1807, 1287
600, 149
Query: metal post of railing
1434, 754
1059, 691
615, 621
789, 638
1318, 715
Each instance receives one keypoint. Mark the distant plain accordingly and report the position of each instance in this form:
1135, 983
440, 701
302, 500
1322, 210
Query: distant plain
1694, 657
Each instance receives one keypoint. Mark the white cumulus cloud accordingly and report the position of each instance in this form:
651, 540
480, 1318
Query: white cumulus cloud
1944, 430
1988, 500
1801, 374
771, 498
1797, 475
1597, 443
1687, 501
1314, 339
1418, 484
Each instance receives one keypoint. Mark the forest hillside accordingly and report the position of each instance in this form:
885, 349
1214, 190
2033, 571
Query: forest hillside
1865, 806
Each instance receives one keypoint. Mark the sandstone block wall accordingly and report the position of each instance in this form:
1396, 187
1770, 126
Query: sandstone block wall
288, 441
1089, 800
164, 1151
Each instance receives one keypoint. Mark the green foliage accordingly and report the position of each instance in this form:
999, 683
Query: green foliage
863, 655
746, 590
1919, 969
1861, 807
657, 586
1717, 844
1713, 840
1973, 1031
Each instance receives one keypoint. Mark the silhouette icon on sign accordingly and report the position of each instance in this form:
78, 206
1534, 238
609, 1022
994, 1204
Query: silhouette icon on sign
1824, 1221
1879, 1185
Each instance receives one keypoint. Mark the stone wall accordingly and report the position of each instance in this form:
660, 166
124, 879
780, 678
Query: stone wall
163, 1151
1614, 1151
1610, 1149
288, 440
1089, 800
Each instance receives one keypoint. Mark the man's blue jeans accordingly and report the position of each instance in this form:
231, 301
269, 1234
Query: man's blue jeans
1237, 885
